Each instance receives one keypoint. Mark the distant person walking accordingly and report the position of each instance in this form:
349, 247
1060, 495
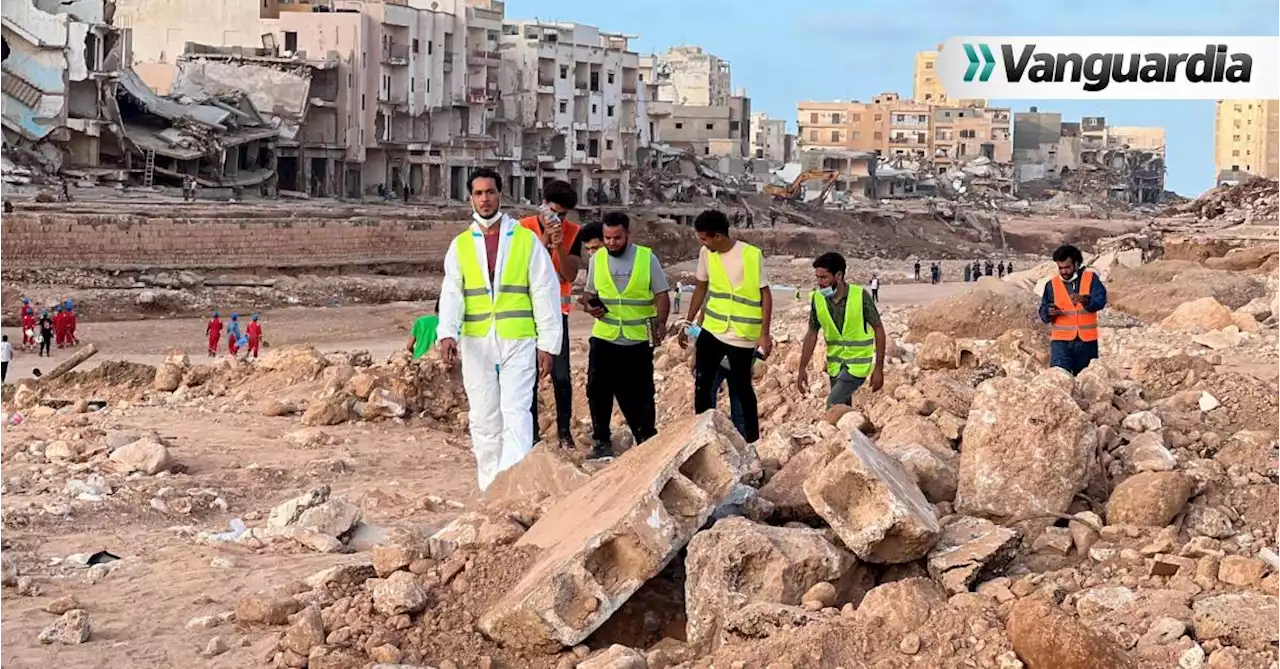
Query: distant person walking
968, 273
875, 288
70, 323
1000, 269
254, 334
45, 335
989, 267
6, 356
213, 330
233, 335
917, 274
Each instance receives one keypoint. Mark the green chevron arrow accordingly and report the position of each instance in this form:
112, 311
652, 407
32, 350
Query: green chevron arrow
991, 62
988, 62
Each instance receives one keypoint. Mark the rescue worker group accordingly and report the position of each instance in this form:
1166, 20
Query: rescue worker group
507, 294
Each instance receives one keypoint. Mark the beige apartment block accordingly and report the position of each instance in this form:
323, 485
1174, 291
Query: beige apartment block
1245, 139
688, 75
928, 89
578, 105
768, 139
960, 134
709, 130
417, 79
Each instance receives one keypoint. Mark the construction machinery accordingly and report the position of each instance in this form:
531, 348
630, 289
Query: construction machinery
794, 192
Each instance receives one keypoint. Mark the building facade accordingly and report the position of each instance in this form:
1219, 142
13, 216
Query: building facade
1245, 139
61, 61
578, 101
892, 127
927, 88
1122, 163
687, 75
768, 139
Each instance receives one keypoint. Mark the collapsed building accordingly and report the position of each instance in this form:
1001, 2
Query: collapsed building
1119, 164
60, 62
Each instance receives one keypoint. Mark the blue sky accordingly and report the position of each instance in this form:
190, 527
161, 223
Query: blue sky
829, 49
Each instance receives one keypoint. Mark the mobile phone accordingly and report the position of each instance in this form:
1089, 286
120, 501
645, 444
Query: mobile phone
596, 303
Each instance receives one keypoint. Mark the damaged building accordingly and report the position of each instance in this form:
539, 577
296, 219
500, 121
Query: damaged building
218, 138
60, 61
1113, 163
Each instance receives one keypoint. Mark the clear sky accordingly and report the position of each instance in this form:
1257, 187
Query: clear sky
853, 49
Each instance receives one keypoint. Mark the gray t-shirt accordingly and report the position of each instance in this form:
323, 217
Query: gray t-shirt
620, 269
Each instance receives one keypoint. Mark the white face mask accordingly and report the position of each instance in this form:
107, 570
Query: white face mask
486, 222
827, 291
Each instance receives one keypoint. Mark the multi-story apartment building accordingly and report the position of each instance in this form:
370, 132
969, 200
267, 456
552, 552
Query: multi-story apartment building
61, 58
895, 128
578, 101
768, 137
927, 88
687, 75
1245, 139
418, 79
963, 133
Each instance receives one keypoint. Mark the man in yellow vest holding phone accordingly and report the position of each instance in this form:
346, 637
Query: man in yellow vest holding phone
849, 321
627, 294
500, 315
734, 321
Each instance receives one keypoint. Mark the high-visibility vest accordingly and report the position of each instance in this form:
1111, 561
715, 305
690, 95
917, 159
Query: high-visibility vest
628, 312
569, 232
1075, 321
512, 311
739, 308
851, 346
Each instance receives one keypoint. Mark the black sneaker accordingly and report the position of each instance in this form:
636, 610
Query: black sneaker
601, 449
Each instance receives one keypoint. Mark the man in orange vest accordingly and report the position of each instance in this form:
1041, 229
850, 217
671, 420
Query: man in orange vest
1070, 305
560, 236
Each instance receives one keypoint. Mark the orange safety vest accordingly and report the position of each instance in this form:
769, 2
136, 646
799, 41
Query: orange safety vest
1075, 321
570, 233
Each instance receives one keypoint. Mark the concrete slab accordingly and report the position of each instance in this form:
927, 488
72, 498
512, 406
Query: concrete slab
604, 540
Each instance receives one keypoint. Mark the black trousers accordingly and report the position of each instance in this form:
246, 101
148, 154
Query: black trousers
709, 351
46, 343
4, 371
562, 387
624, 373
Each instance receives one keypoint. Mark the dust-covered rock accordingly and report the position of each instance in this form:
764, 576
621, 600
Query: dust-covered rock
146, 455
1045, 637
1149, 498
71, 628
971, 550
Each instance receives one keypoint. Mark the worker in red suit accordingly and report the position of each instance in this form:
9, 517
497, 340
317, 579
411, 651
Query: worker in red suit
214, 331
28, 325
254, 332
69, 316
59, 326
233, 335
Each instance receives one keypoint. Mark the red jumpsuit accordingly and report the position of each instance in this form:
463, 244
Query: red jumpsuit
70, 323
59, 328
254, 333
214, 331
28, 326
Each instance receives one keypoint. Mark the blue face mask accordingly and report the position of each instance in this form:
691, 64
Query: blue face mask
827, 291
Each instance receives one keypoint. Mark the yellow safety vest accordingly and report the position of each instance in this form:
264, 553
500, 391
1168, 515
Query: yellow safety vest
512, 311
851, 346
739, 307
629, 311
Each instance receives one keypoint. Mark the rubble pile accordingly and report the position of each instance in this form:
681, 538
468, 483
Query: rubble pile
1255, 200
674, 175
972, 512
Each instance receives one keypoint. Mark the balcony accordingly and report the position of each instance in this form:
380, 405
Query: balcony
629, 88
395, 54
483, 58
483, 14
910, 141
481, 96
546, 79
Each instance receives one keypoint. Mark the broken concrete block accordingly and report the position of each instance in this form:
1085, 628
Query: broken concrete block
614, 657
873, 504
1245, 619
737, 562
533, 485
473, 529
1027, 450
786, 489
604, 540
971, 550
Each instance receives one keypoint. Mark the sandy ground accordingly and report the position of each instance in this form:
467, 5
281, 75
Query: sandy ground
377, 329
140, 610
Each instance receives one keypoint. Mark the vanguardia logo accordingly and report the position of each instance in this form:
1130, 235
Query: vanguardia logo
988, 62
1099, 70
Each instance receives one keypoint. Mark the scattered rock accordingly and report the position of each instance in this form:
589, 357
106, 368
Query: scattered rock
1149, 498
146, 455
1203, 314
1245, 619
215, 647
615, 657
61, 605
873, 504
305, 632
335, 517
1047, 638
329, 410
70, 629
266, 608
937, 351
971, 550
168, 377
275, 407
1146, 452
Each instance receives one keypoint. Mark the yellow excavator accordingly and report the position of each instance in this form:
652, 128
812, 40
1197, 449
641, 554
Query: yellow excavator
794, 192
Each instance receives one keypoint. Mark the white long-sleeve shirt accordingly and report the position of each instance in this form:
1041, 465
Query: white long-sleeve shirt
544, 287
